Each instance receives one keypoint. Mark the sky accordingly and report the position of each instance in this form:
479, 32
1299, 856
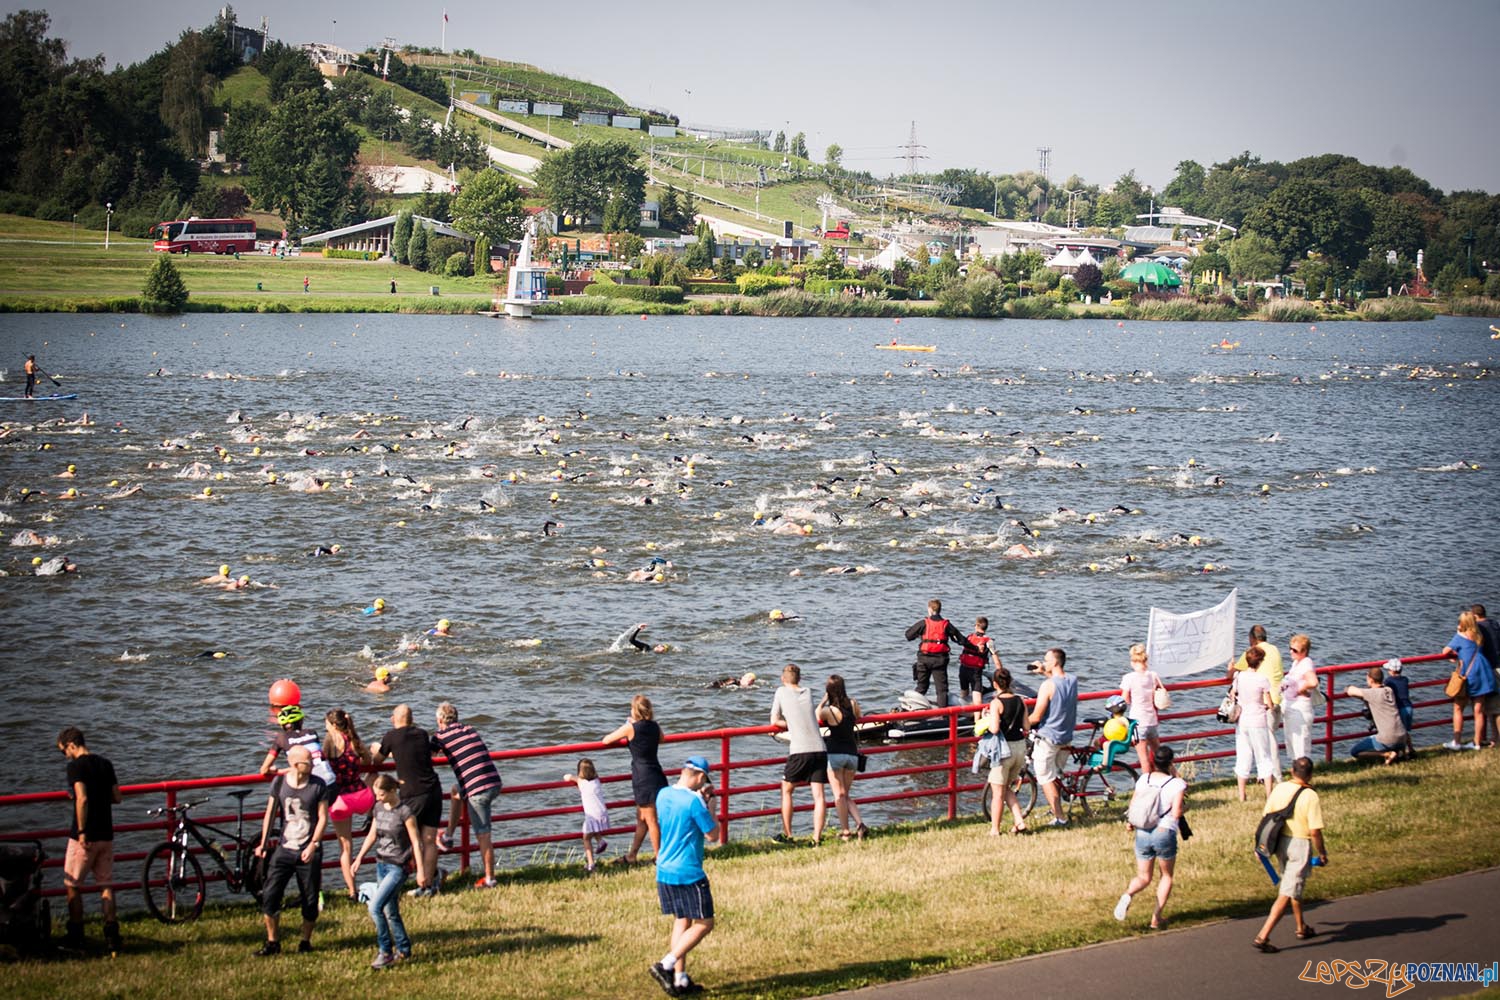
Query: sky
1110, 87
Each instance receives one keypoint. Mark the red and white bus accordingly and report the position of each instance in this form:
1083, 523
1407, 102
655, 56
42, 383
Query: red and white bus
206, 236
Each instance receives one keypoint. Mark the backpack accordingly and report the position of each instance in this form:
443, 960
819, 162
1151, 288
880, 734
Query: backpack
1273, 826
1145, 805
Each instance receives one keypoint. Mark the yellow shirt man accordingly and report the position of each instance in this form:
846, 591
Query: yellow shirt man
1270, 667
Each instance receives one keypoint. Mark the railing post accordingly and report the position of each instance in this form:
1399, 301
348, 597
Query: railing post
466, 847
166, 817
723, 790
1328, 722
952, 765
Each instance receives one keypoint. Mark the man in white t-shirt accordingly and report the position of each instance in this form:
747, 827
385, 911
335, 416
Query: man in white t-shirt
807, 759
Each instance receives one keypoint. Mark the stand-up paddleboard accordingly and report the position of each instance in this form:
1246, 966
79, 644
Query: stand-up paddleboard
38, 399
905, 347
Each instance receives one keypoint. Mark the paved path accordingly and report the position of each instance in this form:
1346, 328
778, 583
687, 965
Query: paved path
1446, 920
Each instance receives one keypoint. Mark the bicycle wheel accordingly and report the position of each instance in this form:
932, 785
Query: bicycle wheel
1107, 792
172, 882
1025, 789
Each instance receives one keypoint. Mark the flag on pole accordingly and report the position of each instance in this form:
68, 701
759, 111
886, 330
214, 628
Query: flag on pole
445, 15
1191, 643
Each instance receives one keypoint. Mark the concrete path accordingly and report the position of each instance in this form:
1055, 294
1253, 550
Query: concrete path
1446, 920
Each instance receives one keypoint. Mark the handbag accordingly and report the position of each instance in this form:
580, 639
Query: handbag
1229, 708
1458, 685
864, 762
1184, 832
1318, 698
1161, 698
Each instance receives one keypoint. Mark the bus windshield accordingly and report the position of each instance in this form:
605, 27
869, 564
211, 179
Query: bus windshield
172, 230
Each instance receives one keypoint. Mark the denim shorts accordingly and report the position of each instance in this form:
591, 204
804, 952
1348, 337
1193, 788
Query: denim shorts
1159, 843
843, 762
479, 810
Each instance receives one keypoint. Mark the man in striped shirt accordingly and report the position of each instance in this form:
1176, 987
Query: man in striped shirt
478, 782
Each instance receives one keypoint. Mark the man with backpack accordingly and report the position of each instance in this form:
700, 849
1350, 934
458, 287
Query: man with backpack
1296, 805
1156, 817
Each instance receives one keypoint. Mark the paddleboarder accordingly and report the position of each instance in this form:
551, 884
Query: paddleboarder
31, 370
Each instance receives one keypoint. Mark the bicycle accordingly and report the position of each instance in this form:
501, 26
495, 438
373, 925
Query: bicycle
172, 878
1098, 781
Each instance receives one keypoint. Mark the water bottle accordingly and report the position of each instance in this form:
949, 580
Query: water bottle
1316, 862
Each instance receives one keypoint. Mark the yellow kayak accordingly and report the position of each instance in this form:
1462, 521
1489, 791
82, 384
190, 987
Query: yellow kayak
905, 347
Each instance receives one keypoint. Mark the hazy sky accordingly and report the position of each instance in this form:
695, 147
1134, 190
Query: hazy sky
1112, 86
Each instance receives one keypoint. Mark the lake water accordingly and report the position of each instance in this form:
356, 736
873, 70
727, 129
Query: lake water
1377, 443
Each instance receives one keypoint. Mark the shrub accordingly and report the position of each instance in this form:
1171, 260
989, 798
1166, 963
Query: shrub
164, 290
416, 248
712, 288
1179, 309
15, 203
1484, 305
637, 293
1036, 307
1289, 311
333, 254
757, 283
54, 211
1398, 310
457, 266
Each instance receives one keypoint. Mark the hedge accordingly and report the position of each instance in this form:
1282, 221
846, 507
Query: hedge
333, 254
756, 283
639, 293
713, 288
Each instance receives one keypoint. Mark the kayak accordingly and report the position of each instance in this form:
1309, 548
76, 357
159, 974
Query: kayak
905, 347
37, 399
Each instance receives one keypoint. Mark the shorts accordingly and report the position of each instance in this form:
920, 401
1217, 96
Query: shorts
97, 859
286, 863
692, 902
1295, 854
644, 789
843, 762
806, 767
479, 810
1050, 761
971, 679
1492, 703
352, 804
1144, 733
427, 807
1005, 772
1160, 843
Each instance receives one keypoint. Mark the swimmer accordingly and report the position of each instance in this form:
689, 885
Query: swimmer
57, 566
777, 616
550, 528
631, 636
382, 682
378, 608
745, 680
243, 583
218, 579
441, 628
68, 473
1020, 551
326, 550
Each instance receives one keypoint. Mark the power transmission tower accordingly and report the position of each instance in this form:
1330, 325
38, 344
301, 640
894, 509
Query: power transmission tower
914, 152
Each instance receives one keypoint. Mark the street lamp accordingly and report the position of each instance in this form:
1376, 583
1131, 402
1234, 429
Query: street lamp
109, 211
75, 229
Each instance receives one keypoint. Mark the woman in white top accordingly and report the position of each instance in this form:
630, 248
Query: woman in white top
1157, 845
1254, 742
1296, 698
1139, 690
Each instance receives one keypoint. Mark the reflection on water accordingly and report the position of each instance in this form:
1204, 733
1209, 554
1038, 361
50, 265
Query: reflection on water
513, 477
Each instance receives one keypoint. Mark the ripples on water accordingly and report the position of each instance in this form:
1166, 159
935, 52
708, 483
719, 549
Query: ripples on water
442, 440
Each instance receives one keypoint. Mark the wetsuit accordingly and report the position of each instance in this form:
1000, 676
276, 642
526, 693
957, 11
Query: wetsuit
30, 377
932, 655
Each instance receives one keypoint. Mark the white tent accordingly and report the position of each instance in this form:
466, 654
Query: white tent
886, 259
1084, 257
1063, 259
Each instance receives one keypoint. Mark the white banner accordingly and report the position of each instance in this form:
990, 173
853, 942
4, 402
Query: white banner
1178, 645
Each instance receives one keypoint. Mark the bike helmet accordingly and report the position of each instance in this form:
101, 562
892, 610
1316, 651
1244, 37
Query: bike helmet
1115, 705
289, 715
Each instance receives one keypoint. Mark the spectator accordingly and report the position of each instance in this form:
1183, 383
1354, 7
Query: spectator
1479, 676
351, 796
839, 713
1401, 688
807, 759
301, 799
643, 736
595, 811
681, 883
1489, 645
396, 837
1270, 664
1390, 735
1054, 715
94, 792
478, 782
1303, 835
1156, 844
421, 791
1007, 720
1253, 739
1296, 698
290, 717
1139, 689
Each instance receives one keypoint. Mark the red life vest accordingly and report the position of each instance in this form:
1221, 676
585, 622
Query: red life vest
934, 636
974, 660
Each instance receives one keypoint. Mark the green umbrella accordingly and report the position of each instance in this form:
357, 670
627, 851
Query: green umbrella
1151, 273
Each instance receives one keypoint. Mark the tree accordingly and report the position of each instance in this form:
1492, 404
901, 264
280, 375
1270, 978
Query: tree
833, 156
416, 247
187, 92
779, 145
1306, 216
1186, 189
1253, 258
401, 237
581, 181
799, 145
488, 204
164, 290
481, 256
1088, 278
303, 160
666, 208
621, 215
288, 71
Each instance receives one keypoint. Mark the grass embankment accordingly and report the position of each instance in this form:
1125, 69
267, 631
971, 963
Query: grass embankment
796, 921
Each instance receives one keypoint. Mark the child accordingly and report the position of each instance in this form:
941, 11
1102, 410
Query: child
973, 660
595, 812
393, 834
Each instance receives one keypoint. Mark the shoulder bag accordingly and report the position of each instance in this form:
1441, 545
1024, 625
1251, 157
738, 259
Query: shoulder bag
1458, 685
1161, 698
1229, 708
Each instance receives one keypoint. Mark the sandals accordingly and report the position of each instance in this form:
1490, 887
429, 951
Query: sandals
1020, 830
1260, 944
861, 832
1307, 931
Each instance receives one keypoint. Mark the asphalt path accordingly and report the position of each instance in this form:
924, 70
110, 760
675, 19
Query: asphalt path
1449, 920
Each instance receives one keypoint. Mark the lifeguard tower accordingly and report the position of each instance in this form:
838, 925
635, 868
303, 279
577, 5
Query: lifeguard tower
527, 284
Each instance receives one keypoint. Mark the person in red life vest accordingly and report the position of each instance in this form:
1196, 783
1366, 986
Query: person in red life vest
973, 661
932, 652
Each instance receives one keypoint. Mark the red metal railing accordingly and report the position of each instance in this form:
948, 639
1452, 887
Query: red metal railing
951, 784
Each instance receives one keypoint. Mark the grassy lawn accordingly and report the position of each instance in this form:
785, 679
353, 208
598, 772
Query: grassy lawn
907, 902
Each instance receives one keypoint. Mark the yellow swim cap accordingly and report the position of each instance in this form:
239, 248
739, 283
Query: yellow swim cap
777, 614
36, 560
208, 491
245, 578
379, 603
659, 577
224, 570
72, 468
382, 673
443, 624
402, 665
220, 654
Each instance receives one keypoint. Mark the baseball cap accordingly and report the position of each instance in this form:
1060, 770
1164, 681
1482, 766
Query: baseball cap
697, 763
1392, 666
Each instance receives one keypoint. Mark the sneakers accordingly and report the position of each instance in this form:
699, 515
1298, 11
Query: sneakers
603, 846
304, 946
589, 867
1122, 906
403, 956
112, 937
782, 838
486, 883
382, 960
1059, 822
423, 891
1453, 745
687, 988
442, 843
663, 979
1471, 746
268, 948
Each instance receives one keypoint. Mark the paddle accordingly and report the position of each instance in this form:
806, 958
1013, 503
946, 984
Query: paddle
49, 377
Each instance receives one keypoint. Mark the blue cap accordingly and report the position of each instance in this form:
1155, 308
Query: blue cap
697, 763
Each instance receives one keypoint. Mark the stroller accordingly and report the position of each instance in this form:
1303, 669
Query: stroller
25, 917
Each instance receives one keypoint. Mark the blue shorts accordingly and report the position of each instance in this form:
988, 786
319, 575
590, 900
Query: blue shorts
694, 901
1160, 843
479, 810
843, 762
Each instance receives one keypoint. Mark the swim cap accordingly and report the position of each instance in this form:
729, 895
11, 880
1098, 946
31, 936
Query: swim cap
224, 570
36, 560
382, 673
379, 604
748, 679
208, 491
443, 624
400, 665
245, 578
289, 715
777, 614
72, 468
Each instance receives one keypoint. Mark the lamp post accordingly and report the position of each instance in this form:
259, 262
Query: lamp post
75, 229
109, 211
996, 212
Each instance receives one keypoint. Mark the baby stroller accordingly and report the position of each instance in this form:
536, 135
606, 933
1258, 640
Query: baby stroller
25, 917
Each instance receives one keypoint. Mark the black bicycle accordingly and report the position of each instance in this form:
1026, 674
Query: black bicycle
1097, 782
172, 879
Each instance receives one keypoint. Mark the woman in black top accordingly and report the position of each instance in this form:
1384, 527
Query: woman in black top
646, 776
1007, 718
839, 713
